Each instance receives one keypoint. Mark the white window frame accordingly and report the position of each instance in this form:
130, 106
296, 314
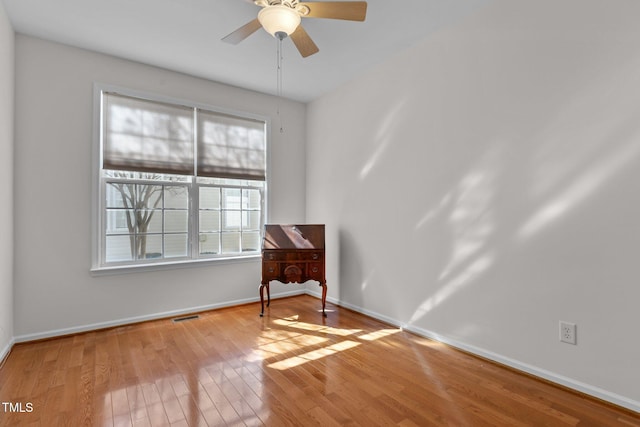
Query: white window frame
98, 222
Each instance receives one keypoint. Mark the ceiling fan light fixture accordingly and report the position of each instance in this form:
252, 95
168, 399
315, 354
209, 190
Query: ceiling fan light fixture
279, 19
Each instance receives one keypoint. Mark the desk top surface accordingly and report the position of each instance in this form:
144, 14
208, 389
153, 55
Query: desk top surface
293, 236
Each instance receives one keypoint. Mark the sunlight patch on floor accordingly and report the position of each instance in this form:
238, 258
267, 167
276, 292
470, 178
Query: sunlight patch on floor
427, 342
375, 335
317, 328
286, 346
314, 355
277, 334
314, 335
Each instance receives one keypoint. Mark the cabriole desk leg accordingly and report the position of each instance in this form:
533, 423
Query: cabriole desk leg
324, 297
262, 286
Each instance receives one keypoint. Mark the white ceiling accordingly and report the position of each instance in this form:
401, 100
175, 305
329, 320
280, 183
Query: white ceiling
184, 35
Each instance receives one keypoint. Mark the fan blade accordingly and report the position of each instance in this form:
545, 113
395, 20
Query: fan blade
348, 10
303, 42
243, 32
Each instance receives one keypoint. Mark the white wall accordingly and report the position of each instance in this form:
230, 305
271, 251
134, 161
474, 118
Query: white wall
483, 185
54, 291
6, 181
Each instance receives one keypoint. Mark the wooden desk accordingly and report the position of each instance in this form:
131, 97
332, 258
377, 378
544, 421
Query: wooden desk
293, 253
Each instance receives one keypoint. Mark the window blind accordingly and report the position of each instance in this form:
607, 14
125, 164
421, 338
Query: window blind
230, 146
149, 136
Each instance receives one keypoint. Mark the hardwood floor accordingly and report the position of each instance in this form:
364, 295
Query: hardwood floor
291, 368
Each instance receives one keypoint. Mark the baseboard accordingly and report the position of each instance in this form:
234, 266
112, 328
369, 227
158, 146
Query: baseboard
570, 383
137, 319
6, 350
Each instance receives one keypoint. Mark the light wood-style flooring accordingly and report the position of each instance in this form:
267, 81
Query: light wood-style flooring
293, 367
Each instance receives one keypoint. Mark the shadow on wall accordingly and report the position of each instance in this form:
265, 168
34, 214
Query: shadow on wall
572, 160
518, 180
593, 160
467, 213
480, 234
351, 276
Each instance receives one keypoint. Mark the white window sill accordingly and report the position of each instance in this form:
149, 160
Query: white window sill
172, 265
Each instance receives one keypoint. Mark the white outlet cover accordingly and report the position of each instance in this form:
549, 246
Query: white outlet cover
568, 332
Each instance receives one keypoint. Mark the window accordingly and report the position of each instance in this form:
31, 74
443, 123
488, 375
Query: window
177, 182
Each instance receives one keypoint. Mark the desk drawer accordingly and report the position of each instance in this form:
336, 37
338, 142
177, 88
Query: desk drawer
270, 270
316, 256
315, 271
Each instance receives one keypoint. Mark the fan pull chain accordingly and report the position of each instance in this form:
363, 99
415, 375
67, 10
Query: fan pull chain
279, 77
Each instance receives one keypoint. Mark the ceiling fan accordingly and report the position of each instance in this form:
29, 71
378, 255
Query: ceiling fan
281, 18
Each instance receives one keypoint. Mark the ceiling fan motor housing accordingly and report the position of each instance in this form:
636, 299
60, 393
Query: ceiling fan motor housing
279, 19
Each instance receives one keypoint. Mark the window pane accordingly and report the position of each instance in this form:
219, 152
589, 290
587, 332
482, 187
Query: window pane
230, 220
118, 248
209, 221
149, 221
209, 243
149, 246
251, 220
250, 199
161, 222
148, 196
175, 245
230, 242
176, 221
230, 198
117, 193
251, 241
176, 197
117, 221
209, 198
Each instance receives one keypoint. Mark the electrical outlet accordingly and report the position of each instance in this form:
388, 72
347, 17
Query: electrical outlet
568, 332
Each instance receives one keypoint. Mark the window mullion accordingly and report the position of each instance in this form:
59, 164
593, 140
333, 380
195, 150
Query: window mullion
162, 224
194, 198
194, 219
